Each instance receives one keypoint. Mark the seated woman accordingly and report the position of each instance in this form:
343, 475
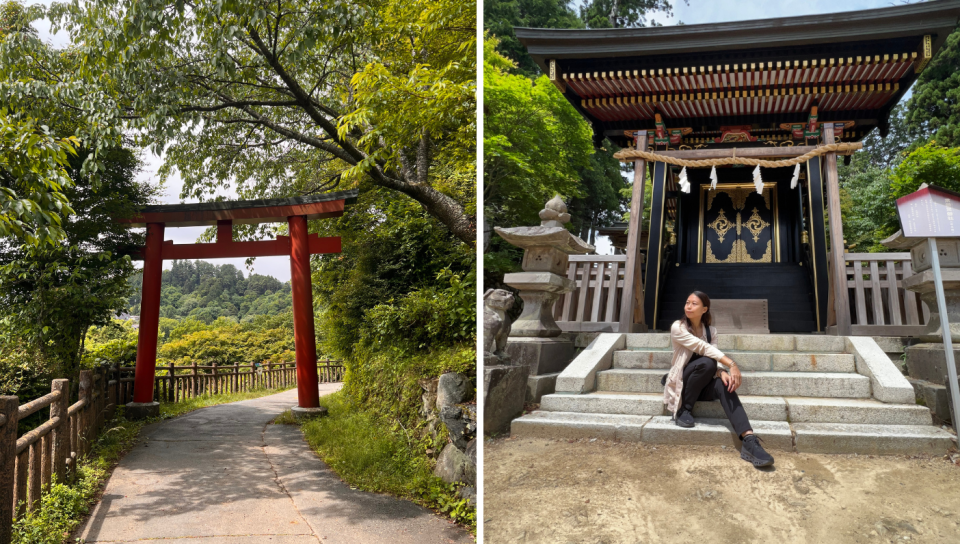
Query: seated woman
695, 375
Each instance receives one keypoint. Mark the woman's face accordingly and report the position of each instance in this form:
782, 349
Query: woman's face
694, 308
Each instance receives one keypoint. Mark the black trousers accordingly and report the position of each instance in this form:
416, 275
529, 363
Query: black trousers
699, 383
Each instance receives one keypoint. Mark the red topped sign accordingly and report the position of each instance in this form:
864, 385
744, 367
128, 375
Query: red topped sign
931, 212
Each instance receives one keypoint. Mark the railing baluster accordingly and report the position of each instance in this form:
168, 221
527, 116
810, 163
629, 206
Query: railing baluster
878, 318
859, 295
893, 294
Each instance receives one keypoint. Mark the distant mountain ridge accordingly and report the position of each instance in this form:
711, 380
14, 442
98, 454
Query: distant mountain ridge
206, 291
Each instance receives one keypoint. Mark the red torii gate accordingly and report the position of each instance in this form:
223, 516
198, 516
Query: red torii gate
299, 246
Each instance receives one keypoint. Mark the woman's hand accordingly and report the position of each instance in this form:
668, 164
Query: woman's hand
731, 379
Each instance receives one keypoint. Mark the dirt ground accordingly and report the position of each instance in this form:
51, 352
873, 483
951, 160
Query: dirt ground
603, 492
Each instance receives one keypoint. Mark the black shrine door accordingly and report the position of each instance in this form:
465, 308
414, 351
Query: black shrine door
738, 225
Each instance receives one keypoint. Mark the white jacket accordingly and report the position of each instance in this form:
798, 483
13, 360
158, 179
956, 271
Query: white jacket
685, 345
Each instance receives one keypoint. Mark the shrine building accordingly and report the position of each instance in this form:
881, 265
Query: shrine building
725, 94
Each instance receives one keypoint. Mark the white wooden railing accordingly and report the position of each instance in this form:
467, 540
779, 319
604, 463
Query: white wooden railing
880, 306
594, 306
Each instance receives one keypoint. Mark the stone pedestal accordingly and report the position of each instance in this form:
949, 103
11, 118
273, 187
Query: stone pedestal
544, 358
538, 290
303, 414
540, 355
927, 372
504, 389
929, 362
141, 410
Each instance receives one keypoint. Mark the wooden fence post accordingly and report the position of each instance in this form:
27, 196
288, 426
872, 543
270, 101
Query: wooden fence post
85, 393
60, 434
216, 386
9, 413
113, 388
236, 377
194, 378
170, 394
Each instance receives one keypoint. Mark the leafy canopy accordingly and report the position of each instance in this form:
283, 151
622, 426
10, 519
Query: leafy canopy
534, 142
292, 97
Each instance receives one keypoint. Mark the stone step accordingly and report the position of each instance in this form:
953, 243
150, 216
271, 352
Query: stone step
871, 439
812, 343
781, 361
758, 408
776, 384
777, 435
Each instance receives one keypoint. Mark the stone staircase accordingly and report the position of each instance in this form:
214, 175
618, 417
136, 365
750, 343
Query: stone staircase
805, 393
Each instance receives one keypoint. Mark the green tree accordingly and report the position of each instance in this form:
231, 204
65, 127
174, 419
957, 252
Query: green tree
501, 16
934, 107
383, 263
865, 193
294, 97
621, 13
534, 142
52, 294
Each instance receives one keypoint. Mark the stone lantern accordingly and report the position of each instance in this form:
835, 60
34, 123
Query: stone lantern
533, 340
926, 362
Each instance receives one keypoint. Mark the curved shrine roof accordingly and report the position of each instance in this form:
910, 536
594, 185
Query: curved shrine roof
761, 75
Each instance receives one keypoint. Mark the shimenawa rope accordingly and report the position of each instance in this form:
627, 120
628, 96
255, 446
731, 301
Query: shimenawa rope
633, 154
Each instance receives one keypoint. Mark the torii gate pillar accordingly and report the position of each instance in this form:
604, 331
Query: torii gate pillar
304, 337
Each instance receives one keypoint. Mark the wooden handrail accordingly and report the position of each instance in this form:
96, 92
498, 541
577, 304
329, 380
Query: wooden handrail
34, 405
28, 439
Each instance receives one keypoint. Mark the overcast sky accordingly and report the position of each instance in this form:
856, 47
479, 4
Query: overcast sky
693, 12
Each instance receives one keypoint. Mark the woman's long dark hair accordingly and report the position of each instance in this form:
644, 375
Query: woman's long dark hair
706, 318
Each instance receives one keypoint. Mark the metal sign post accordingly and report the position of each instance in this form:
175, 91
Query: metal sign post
945, 328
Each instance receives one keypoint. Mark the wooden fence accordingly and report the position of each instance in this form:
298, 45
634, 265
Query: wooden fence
594, 306
879, 304
29, 463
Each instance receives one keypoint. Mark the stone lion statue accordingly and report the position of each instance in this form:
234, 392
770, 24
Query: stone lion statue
496, 325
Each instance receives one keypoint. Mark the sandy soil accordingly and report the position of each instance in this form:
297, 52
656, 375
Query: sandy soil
605, 492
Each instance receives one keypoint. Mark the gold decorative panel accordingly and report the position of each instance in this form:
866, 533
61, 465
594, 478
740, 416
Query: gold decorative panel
751, 216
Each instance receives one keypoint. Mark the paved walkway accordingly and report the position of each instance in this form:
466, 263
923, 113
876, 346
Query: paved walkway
223, 475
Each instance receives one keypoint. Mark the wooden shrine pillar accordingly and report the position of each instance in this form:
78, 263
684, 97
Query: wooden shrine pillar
149, 315
818, 240
631, 302
839, 269
651, 284
304, 336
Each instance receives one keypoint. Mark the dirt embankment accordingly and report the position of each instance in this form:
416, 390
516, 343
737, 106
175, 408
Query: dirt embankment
604, 492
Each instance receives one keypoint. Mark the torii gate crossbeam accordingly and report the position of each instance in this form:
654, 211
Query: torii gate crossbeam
299, 246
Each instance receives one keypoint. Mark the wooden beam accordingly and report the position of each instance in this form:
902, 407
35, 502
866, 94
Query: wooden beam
264, 248
839, 270
747, 152
632, 296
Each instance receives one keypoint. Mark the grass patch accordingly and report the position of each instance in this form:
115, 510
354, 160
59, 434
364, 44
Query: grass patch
64, 506
368, 455
286, 418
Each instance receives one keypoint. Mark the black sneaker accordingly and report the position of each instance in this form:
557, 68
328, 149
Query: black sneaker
685, 419
753, 452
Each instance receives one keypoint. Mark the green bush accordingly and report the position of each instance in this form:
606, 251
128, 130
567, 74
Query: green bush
425, 318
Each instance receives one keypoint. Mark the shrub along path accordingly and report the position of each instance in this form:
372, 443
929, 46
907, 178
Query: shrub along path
224, 475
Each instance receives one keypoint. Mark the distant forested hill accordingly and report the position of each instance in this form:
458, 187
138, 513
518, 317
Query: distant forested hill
206, 291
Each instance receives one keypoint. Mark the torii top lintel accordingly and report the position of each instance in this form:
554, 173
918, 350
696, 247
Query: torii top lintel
250, 212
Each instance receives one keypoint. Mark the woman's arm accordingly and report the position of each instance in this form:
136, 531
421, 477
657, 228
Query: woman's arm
694, 344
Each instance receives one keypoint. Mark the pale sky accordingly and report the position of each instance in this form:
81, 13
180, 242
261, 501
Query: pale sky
698, 11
